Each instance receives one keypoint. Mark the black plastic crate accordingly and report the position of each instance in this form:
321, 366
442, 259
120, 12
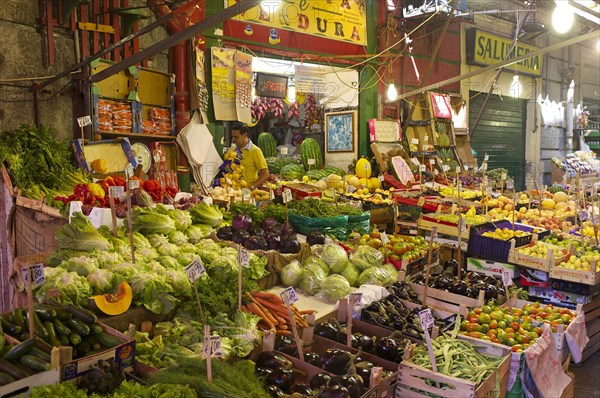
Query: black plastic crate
494, 249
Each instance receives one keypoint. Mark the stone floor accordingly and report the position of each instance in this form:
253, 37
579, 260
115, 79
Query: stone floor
587, 377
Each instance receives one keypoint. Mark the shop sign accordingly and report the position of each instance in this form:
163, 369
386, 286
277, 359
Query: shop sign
273, 86
486, 49
343, 20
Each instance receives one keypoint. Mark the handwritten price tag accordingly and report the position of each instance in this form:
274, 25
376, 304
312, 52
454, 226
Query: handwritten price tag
95, 217
432, 161
384, 238
355, 298
426, 138
129, 170
510, 185
466, 167
37, 274
458, 169
503, 176
74, 207
208, 200
194, 270
506, 279
426, 318
422, 168
462, 225
486, 157
484, 166
84, 121
287, 195
245, 194
415, 161
284, 150
584, 215
311, 162
289, 296
134, 184
414, 141
445, 168
381, 178
434, 233
116, 192
212, 346
244, 258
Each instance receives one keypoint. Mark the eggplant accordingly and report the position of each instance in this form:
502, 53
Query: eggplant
240, 236
312, 358
319, 380
262, 372
225, 233
271, 360
490, 292
301, 388
328, 330
387, 348
289, 246
363, 370
315, 238
342, 336
363, 341
282, 378
350, 382
286, 345
459, 287
273, 241
335, 360
275, 391
336, 391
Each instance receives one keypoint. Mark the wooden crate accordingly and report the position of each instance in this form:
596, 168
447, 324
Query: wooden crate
591, 277
446, 301
427, 224
592, 325
411, 375
533, 262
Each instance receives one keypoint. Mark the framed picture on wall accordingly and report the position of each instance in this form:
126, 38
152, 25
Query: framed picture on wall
340, 131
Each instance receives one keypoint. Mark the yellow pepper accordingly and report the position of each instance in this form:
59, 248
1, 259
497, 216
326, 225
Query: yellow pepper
96, 190
99, 166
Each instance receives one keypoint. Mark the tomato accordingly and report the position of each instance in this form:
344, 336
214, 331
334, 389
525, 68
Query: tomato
484, 318
501, 335
478, 311
566, 318
509, 330
517, 312
526, 326
517, 348
509, 318
485, 327
532, 336
477, 335
515, 326
463, 325
496, 315
487, 309
510, 342
474, 319
501, 325
494, 324
473, 327
522, 339
492, 333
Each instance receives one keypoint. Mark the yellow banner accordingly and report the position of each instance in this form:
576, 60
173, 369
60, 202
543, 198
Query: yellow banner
343, 20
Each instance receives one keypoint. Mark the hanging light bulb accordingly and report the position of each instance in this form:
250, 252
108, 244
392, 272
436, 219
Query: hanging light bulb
392, 93
562, 17
515, 87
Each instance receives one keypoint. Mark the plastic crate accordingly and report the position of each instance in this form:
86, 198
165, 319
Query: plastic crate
494, 249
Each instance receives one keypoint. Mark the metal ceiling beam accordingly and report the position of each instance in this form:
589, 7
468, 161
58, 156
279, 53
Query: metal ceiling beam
210, 22
554, 47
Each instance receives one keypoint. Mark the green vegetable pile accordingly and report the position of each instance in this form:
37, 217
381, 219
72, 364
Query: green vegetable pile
127, 389
496, 174
38, 163
315, 208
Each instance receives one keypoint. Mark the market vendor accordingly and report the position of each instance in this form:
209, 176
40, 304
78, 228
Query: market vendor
255, 171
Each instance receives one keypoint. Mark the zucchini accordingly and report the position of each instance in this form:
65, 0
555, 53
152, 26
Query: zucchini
84, 347
18, 319
82, 314
78, 326
60, 327
61, 312
75, 338
94, 343
64, 339
96, 328
20, 349
5, 379
7, 317
13, 370
40, 354
10, 328
45, 312
38, 328
35, 363
52, 339
5, 349
43, 345
108, 341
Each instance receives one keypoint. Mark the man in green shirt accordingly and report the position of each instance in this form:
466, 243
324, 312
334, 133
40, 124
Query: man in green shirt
255, 171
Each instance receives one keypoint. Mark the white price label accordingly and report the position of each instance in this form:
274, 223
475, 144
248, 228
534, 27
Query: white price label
484, 166
244, 258
445, 168
116, 192
486, 157
84, 121
426, 318
436, 172
559, 339
462, 225
37, 274
381, 178
245, 194
74, 207
432, 161
426, 138
506, 279
503, 176
311, 162
129, 170
95, 217
208, 200
134, 184
422, 168
287, 195
484, 180
384, 238
271, 194
414, 141
434, 233
355, 298
415, 161
284, 150
584, 215
466, 167
458, 170
212, 346
194, 270
510, 184
595, 219
289, 296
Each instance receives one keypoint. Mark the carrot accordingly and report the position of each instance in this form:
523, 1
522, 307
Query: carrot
268, 304
301, 322
245, 309
255, 309
280, 320
268, 314
282, 327
283, 332
307, 312
267, 296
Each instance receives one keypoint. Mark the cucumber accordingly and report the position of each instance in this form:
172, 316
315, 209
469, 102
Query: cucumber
12, 369
20, 349
84, 347
94, 343
60, 327
5, 349
52, 339
81, 314
10, 328
40, 354
35, 363
5, 379
44, 312
64, 339
96, 328
107, 340
75, 338
38, 328
17, 318
61, 312
78, 326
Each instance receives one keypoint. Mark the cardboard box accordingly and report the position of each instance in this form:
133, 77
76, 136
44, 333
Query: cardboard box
559, 296
491, 268
117, 153
384, 130
123, 354
23, 387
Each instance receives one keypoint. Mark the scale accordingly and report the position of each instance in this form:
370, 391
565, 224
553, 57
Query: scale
142, 155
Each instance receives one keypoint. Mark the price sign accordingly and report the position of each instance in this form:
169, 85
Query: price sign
212, 346
37, 274
506, 279
381, 178
466, 167
503, 176
356, 298
434, 233
289, 296
484, 166
458, 169
426, 138
74, 207
484, 180
129, 170
246, 194
311, 162
462, 225
432, 161
510, 185
208, 200
134, 184
446, 168
486, 157
595, 219
194, 270
287, 195
415, 161
384, 238
436, 172
583, 215
95, 217
84, 121
414, 141
244, 258
426, 319
284, 150
422, 168
116, 192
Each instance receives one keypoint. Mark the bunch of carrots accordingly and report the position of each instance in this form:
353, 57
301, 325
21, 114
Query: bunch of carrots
274, 313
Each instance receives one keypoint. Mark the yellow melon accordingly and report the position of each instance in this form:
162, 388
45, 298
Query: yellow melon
561, 197
363, 168
548, 204
374, 183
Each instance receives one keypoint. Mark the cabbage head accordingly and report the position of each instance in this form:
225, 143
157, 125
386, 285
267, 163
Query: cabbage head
335, 287
195, 233
178, 238
102, 281
291, 274
168, 249
315, 269
370, 276
389, 274
169, 262
315, 260
335, 257
179, 282
157, 240
351, 273
82, 265
366, 256
310, 283
140, 241
106, 259
182, 219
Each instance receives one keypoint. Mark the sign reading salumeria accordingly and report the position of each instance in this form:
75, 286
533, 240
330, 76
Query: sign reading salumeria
343, 20
486, 49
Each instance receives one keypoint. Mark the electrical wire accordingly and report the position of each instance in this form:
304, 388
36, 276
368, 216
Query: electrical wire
41, 99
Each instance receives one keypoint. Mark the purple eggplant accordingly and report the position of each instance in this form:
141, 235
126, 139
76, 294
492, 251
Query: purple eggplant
240, 236
312, 358
301, 388
271, 360
286, 345
282, 378
350, 382
336, 391
225, 233
319, 380
336, 361
328, 330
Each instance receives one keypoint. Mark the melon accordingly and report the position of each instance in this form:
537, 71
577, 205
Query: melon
560, 206
548, 204
374, 183
310, 149
363, 168
267, 144
560, 196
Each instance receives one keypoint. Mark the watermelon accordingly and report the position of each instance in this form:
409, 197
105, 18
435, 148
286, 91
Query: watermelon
292, 171
556, 188
267, 144
334, 170
275, 164
316, 174
310, 149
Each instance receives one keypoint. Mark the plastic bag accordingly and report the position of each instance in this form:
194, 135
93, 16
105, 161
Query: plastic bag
360, 223
335, 226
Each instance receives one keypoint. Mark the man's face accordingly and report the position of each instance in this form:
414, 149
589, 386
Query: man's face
239, 139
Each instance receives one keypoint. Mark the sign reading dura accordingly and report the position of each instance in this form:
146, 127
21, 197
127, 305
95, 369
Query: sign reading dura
484, 48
